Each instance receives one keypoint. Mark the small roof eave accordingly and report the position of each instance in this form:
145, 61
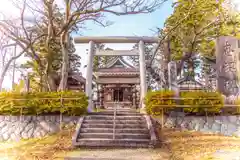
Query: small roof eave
118, 58
189, 78
115, 73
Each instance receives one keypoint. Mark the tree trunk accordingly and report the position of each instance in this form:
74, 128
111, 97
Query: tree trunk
167, 59
51, 82
65, 63
1, 81
49, 77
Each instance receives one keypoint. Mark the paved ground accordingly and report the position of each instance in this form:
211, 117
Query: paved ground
118, 154
227, 155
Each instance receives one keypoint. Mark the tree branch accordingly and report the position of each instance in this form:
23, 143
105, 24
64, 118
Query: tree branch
169, 32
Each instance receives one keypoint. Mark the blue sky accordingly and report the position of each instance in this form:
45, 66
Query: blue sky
133, 25
129, 25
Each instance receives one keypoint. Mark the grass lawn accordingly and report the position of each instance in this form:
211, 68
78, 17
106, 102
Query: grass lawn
177, 145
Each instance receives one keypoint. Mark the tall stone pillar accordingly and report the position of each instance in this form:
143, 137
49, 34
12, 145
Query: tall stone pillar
172, 80
172, 76
26, 83
89, 74
227, 63
142, 66
207, 84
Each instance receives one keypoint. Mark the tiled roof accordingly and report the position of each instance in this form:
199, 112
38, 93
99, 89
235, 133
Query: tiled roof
189, 83
78, 77
117, 70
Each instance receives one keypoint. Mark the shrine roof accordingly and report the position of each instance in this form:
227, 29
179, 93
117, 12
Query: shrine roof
117, 66
117, 70
190, 83
118, 60
77, 76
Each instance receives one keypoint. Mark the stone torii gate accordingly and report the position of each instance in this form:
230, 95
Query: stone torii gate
113, 39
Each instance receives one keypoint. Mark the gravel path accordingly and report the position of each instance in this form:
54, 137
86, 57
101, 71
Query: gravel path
118, 154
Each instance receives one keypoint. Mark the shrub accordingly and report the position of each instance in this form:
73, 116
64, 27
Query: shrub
198, 102
202, 101
156, 100
236, 110
38, 103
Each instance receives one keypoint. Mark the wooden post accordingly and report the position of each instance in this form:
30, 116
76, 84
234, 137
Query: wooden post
60, 120
162, 118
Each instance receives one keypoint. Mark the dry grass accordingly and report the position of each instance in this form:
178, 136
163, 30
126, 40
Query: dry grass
186, 145
177, 145
46, 148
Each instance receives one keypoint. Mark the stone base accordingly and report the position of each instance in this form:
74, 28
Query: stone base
225, 125
16, 127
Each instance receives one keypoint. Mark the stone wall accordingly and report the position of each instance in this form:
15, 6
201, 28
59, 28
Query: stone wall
15, 128
225, 125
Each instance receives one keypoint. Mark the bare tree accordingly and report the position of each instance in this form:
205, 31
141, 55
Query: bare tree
5, 57
77, 12
20, 31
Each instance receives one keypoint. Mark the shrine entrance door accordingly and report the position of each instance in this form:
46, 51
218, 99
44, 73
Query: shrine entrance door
118, 95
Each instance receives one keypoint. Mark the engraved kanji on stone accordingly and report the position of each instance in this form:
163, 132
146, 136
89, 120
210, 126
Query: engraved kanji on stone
227, 49
229, 67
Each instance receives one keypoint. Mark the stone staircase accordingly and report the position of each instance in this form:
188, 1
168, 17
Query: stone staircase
132, 129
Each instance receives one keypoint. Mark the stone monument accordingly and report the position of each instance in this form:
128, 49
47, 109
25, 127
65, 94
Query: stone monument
227, 61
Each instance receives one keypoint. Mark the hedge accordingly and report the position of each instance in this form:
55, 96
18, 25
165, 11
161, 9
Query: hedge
40, 103
201, 101
155, 99
237, 102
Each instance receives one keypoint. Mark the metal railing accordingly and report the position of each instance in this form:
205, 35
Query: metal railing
114, 119
179, 102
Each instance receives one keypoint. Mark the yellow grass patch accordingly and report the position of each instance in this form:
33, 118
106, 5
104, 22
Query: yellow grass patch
186, 145
46, 148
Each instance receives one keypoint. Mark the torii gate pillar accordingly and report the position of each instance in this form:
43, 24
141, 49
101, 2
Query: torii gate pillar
89, 74
142, 67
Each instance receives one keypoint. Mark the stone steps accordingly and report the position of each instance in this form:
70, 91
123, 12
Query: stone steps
109, 143
117, 135
110, 130
120, 126
104, 117
118, 121
109, 112
96, 130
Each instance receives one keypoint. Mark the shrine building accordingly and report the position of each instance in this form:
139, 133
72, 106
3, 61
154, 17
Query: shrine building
117, 81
